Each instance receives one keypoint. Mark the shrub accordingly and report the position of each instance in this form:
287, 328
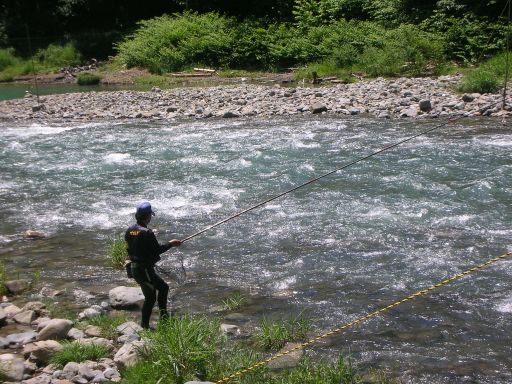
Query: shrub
88, 79
170, 43
7, 58
55, 56
481, 81
78, 352
117, 253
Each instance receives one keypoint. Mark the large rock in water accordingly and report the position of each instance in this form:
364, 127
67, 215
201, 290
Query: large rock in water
125, 297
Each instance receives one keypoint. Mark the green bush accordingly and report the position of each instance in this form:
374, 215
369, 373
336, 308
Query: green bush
7, 58
56, 56
88, 79
170, 43
479, 80
78, 352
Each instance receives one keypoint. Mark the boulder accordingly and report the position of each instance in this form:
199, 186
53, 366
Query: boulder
35, 306
129, 328
98, 341
41, 379
12, 367
125, 297
41, 351
93, 331
17, 286
25, 317
90, 313
290, 360
128, 354
318, 108
11, 310
56, 329
50, 292
75, 334
425, 105
31, 234
16, 340
229, 114
71, 368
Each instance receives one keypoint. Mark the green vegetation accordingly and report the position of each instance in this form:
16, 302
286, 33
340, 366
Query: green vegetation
234, 301
107, 323
273, 335
117, 253
57, 311
88, 79
487, 78
3, 279
187, 347
77, 352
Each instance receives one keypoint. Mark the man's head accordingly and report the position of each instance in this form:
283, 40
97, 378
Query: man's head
144, 212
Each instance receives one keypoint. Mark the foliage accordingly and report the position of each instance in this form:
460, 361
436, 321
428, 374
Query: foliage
3, 279
78, 352
182, 346
7, 58
107, 323
57, 310
117, 253
88, 79
234, 301
275, 334
170, 43
56, 56
489, 77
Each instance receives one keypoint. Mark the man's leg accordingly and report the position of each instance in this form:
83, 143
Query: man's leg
142, 277
163, 291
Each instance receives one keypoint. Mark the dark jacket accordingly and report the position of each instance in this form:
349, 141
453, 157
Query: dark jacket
142, 245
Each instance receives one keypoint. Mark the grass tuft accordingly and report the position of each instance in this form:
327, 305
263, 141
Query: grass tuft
77, 352
88, 79
117, 253
107, 323
273, 335
234, 301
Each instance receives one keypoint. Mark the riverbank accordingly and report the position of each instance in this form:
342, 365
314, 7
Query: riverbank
428, 97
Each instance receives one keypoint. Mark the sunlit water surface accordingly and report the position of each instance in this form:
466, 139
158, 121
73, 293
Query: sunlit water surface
337, 249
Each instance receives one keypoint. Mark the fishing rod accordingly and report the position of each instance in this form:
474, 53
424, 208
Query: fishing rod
318, 178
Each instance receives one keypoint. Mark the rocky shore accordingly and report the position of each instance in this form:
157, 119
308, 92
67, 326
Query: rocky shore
428, 97
31, 337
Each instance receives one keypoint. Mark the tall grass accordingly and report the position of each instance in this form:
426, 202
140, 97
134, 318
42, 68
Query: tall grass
108, 324
3, 279
78, 352
273, 335
117, 253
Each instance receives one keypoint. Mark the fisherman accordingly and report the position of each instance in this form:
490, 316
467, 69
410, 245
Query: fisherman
144, 252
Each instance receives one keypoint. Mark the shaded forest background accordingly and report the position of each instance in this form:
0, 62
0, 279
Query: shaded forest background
95, 26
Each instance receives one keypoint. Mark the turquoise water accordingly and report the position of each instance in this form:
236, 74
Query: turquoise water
338, 249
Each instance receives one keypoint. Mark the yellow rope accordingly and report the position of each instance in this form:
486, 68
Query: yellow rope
364, 318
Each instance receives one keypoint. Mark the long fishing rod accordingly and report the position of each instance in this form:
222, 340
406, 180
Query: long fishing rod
318, 178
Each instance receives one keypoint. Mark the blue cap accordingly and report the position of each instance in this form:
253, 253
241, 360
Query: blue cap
144, 209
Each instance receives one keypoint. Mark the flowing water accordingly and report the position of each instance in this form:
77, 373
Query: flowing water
337, 249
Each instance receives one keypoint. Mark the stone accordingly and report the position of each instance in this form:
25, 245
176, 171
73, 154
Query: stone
49, 292
19, 339
86, 372
93, 331
11, 310
125, 297
41, 351
3, 317
41, 379
40, 323
75, 334
30, 234
354, 111
123, 339
99, 378
90, 313
318, 108
128, 354
409, 112
290, 360
35, 306
72, 368
109, 373
425, 105
467, 98
17, 286
98, 341
4, 343
12, 367
129, 328
79, 380
229, 329
25, 317
229, 114
56, 329
30, 367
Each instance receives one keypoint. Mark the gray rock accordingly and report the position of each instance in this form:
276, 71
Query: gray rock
230, 329
11, 310
290, 360
71, 368
129, 328
4, 343
229, 114
109, 373
99, 378
93, 331
17, 286
20, 339
50, 292
79, 380
75, 334
35, 306
468, 98
85, 371
25, 317
98, 341
409, 112
425, 105
128, 338
125, 297
41, 379
41, 351
128, 354
12, 367
354, 111
90, 313
56, 329
318, 108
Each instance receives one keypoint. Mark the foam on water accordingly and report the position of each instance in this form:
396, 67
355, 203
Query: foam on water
118, 158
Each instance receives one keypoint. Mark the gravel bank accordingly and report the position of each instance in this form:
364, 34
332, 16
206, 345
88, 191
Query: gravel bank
396, 98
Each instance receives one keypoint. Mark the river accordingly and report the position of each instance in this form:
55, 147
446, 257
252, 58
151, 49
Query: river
337, 249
